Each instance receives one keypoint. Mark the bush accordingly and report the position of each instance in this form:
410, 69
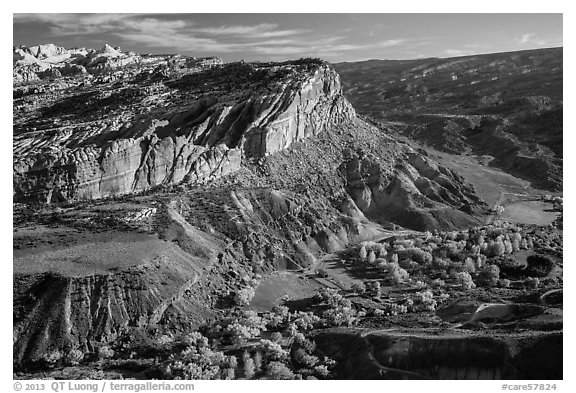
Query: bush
415, 254
424, 301
244, 296
276, 336
371, 257
249, 368
469, 265
360, 289
272, 350
105, 352
73, 357
465, 280
305, 359
532, 282
373, 288
363, 253
489, 276
278, 370
52, 358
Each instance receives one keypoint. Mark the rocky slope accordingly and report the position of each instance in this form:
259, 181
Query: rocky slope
508, 106
247, 168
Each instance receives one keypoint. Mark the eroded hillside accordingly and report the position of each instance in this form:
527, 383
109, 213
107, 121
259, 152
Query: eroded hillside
506, 105
181, 218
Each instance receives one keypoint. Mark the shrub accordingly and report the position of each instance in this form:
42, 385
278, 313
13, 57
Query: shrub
272, 350
358, 288
381, 249
305, 359
244, 296
416, 254
465, 280
371, 257
399, 275
489, 275
373, 288
495, 248
278, 370
105, 352
469, 265
249, 368
363, 253
424, 300
322, 371
532, 282
52, 358
73, 357
508, 247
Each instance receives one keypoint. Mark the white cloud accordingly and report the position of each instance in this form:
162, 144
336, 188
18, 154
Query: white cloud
531, 39
262, 30
182, 34
457, 52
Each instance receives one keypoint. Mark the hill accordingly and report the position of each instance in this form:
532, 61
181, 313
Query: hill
505, 105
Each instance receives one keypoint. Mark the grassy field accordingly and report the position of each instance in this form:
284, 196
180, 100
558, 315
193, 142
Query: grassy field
529, 212
280, 284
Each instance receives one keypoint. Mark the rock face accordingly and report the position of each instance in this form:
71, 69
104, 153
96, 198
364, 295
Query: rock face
181, 138
33, 63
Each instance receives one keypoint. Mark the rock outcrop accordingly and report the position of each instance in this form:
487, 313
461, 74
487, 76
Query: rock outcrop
180, 137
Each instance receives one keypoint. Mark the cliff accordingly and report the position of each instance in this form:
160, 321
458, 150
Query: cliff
181, 136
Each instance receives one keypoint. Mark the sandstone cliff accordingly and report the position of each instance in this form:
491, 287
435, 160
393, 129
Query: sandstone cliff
182, 138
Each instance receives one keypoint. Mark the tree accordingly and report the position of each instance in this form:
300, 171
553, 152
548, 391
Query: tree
515, 245
373, 288
278, 370
363, 253
105, 352
276, 336
371, 257
508, 247
249, 368
258, 361
244, 296
358, 288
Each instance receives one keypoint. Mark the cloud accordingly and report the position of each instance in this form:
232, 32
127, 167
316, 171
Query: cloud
186, 34
531, 39
457, 52
262, 30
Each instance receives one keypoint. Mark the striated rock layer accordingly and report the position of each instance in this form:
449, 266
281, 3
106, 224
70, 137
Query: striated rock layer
183, 138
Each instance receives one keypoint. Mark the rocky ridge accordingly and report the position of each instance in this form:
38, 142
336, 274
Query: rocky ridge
183, 135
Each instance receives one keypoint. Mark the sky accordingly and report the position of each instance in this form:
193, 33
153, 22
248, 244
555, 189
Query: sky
333, 37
